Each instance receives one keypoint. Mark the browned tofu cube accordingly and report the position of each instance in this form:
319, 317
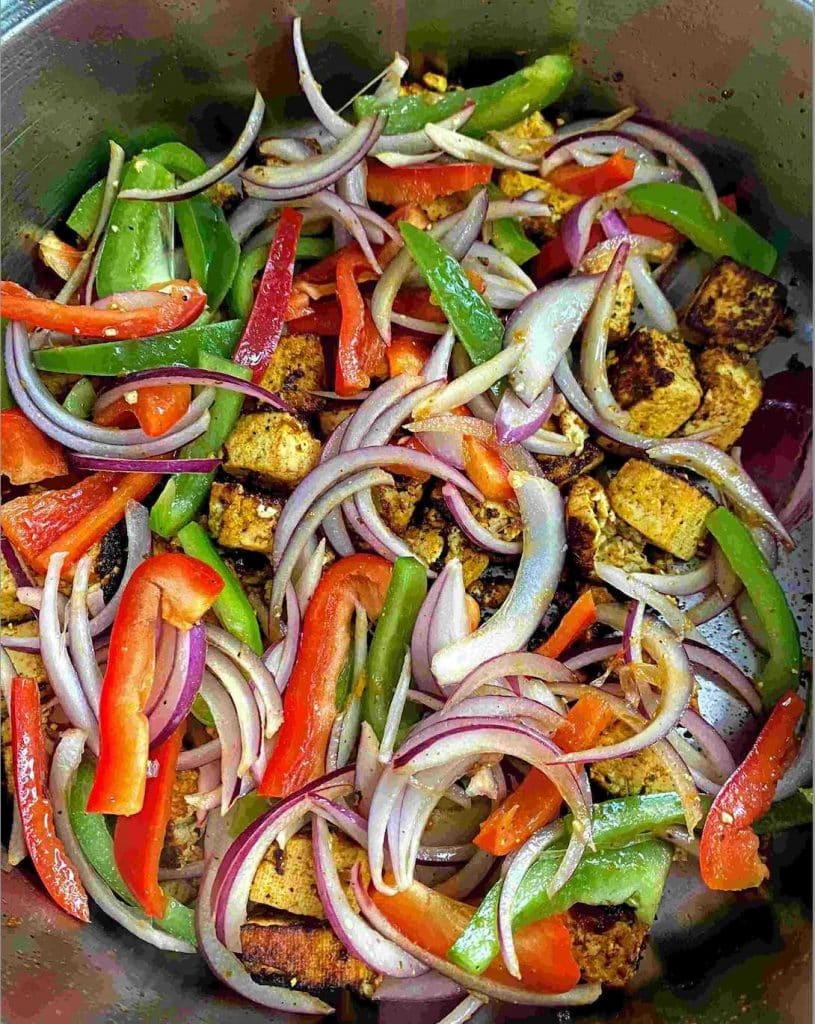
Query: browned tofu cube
426, 537
398, 503
732, 393
625, 297
239, 518
25, 663
274, 447
643, 772
11, 610
561, 470
296, 369
662, 506
736, 306
514, 183
593, 531
329, 419
607, 942
653, 379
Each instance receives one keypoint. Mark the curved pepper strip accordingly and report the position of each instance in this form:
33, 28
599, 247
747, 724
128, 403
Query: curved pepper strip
177, 303
728, 851
26, 454
309, 703
179, 590
156, 410
57, 873
139, 838
397, 186
360, 350
593, 181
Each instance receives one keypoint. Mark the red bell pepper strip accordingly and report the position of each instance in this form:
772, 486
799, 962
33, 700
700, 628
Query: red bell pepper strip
642, 224
157, 408
309, 706
57, 873
537, 801
487, 470
728, 851
324, 319
139, 838
591, 181
177, 303
26, 454
552, 261
434, 922
397, 186
407, 355
93, 527
418, 303
360, 350
33, 522
581, 615
265, 324
179, 590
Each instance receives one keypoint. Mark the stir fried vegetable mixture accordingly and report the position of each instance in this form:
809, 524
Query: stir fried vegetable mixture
369, 493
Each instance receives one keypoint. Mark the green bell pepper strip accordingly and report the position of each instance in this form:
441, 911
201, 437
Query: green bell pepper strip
94, 838
687, 210
794, 811
117, 358
6, 397
179, 159
476, 325
245, 810
242, 294
406, 592
200, 709
82, 219
509, 238
344, 681
185, 493
633, 874
80, 399
496, 106
138, 244
782, 670
232, 606
210, 247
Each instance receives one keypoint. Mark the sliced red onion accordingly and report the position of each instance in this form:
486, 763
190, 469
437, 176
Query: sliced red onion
516, 663
79, 633
711, 743
185, 872
490, 257
258, 675
343, 212
664, 143
15, 566
514, 208
417, 143
368, 768
224, 964
539, 570
545, 325
632, 633
462, 884
96, 463
450, 424
626, 584
594, 346
656, 306
189, 375
318, 172
464, 148
430, 987
722, 668
323, 111
246, 707
725, 473
438, 362
582, 995
449, 621
471, 527
206, 754
474, 382
391, 159
64, 764
420, 652
226, 723
213, 174
291, 151
798, 507
592, 141
682, 584
139, 539
521, 861
394, 717
577, 225
515, 421
390, 82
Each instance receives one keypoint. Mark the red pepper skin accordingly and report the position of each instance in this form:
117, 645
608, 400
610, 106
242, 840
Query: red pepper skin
418, 303
361, 350
179, 590
591, 181
139, 838
309, 701
26, 454
56, 872
552, 261
397, 186
179, 303
324, 319
487, 470
157, 408
265, 324
728, 851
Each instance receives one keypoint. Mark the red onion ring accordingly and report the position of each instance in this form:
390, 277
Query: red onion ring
515, 421
80, 639
15, 566
182, 685
592, 141
190, 375
473, 150
471, 527
577, 225
97, 463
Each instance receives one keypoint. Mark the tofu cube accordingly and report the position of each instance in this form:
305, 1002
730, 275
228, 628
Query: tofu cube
296, 369
11, 610
239, 518
514, 183
643, 772
736, 306
397, 504
593, 531
732, 393
425, 538
444, 206
561, 470
653, 379
529, 138
663, 507
329, 419
25, 663
273, 447
474, 561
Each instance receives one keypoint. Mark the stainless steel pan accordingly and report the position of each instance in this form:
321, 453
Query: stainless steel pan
735, 74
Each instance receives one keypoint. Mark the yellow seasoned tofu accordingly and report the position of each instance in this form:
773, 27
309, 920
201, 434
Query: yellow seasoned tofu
296, 369
474, 561
737, 306
501, 518
594, 532
607, 942
426, 537
662, 506
11, 610
625, 297
653, 379
528, 139
643, 772
239, 518
183, 840
25, 663
329, 419
273, 447
732, 393
514, 183
285, 879
397, 504
445, 205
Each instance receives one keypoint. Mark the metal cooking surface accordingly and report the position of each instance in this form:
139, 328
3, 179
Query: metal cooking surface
732, 71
